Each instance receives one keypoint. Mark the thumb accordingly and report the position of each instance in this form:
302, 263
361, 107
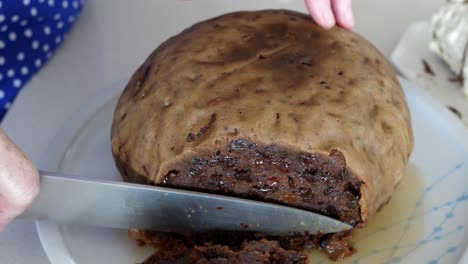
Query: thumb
19, 181
321, 12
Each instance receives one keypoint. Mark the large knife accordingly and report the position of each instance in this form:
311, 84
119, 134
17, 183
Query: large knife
67, 199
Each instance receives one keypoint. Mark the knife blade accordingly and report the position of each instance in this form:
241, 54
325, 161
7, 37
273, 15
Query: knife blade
67, 199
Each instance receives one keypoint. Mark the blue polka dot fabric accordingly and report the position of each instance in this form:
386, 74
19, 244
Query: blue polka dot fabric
30, 32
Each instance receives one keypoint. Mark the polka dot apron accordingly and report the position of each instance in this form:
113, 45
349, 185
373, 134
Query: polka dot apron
30, 31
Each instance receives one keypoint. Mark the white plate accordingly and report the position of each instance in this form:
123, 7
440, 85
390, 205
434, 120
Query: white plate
424, 222
407, 57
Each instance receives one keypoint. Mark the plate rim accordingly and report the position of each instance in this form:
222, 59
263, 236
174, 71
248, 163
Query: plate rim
49, 233
55, 152
395, 56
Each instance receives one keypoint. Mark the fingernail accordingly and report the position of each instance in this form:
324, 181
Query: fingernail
349, 18
328, 18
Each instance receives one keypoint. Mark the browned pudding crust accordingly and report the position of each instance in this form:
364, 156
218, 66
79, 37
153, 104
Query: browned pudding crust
267, 105
311, 181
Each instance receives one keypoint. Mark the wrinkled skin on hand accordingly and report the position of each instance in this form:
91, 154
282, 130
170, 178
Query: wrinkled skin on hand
19, 181
327, 13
